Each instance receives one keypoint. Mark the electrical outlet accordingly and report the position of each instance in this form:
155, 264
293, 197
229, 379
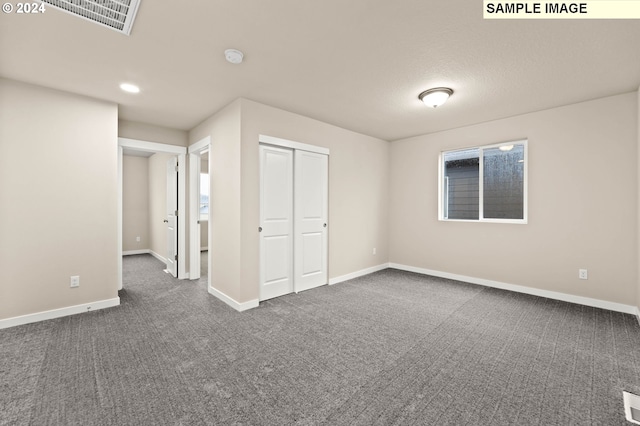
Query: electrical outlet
75, 281
138, 239
583, 274
374, 250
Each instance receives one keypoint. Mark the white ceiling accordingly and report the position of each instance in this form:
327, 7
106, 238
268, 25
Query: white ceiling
358, 64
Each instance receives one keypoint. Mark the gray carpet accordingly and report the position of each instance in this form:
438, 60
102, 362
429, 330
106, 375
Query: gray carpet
389, 348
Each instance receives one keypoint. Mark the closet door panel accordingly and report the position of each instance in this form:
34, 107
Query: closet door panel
311, 224
276, 222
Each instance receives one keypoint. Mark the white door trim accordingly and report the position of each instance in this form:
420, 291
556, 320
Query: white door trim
292, 144
119, 215
201, 145
182, 217
195, 150
148, 146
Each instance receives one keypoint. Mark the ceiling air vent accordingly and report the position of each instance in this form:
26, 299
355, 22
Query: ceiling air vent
115, 14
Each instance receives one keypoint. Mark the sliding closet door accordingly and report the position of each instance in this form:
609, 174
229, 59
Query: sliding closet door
276, 222
311, 201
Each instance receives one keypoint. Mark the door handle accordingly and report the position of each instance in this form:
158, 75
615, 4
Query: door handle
165, 221
259, 228
324, 226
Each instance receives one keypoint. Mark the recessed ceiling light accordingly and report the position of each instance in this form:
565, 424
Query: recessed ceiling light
505, 147
234, 56
436, 96
131, 88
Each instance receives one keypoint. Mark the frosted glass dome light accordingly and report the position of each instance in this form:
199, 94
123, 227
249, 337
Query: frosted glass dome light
435, 97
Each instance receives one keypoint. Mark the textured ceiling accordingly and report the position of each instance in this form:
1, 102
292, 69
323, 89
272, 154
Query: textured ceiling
358, 64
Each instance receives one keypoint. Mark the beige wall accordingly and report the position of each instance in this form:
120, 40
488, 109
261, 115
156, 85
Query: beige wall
583, 198
135, 203
62, 220
224, 158
358, 188
204, 234
583, 210
151, 133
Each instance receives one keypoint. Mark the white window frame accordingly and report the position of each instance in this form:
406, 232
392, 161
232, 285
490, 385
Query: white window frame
442, 194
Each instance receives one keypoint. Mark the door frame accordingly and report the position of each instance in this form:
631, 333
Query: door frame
147, 146
195, 150
284, 143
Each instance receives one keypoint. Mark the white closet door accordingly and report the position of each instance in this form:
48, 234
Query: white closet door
276, 222
311, 211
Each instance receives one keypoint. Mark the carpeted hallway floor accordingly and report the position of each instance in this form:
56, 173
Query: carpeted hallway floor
389, 348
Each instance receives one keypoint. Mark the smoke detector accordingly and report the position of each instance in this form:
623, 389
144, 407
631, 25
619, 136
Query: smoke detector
234, 56
115, 14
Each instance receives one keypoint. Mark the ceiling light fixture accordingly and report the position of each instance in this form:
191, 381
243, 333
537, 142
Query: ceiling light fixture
130, 88
234, 56
505, 147
436, 96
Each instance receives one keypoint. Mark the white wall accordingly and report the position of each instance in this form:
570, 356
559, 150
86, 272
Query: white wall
583, 208
58, 192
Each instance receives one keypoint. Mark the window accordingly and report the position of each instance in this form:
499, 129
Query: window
487, 183
204, 196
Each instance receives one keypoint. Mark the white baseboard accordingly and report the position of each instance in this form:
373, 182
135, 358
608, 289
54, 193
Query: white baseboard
357, 274
238, 306
157, 256
596, 303
57, 313
638, 314
131, 252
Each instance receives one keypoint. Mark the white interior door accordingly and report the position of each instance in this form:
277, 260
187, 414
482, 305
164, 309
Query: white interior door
276, 222
172, 216
194, 212
310, 227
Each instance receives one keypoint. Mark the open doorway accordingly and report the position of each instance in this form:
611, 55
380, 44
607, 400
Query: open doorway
203, 211
170, 251
200, 211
